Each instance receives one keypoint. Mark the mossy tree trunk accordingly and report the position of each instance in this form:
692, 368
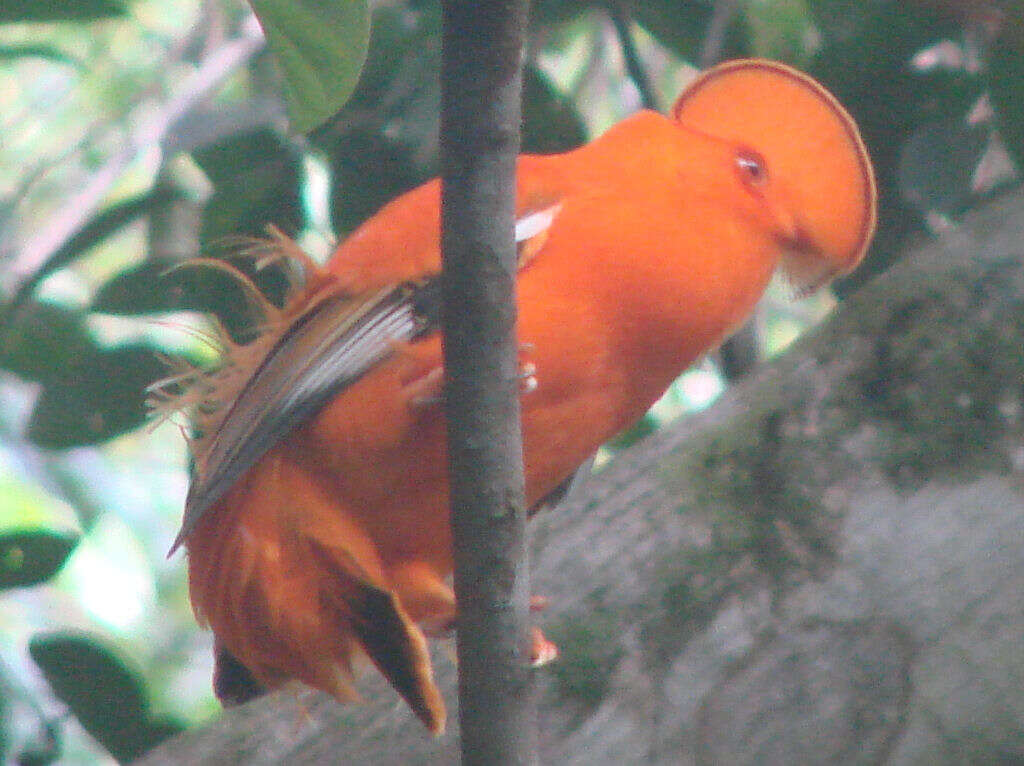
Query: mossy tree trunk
825, 567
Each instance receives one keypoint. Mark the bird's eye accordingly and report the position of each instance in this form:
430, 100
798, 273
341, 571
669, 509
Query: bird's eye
751, 168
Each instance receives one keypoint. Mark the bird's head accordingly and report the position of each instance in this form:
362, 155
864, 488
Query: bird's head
799, 156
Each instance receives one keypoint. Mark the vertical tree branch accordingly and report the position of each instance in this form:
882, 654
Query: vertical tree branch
634, 65
716, 31
481, 83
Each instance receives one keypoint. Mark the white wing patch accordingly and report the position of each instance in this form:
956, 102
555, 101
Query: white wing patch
534, 223
532, 232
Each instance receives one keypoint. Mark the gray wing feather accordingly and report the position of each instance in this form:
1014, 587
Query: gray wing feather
325, 351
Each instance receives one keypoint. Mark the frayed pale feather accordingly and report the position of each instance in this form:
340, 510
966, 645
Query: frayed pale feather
204, 395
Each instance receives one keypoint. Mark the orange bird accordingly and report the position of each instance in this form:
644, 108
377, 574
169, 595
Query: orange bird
317, 523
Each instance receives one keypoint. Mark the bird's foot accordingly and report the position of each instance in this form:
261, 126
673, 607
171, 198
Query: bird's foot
527, 370
427, 390
542, 651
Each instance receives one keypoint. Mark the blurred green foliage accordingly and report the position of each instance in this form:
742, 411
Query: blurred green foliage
104, 695
29, 557
59, 10
130, 146
320, 48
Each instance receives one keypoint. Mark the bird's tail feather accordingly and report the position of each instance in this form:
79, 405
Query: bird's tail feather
293, 588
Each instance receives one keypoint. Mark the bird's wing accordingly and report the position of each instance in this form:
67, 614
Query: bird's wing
329, 346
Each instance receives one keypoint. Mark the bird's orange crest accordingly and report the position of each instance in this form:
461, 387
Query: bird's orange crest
803, 145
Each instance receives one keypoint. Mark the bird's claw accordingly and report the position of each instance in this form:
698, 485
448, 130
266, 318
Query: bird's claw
527, 370
527, 378
542, 651
428, 390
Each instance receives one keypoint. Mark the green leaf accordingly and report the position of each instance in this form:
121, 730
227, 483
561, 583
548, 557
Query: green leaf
59, 10
5, 718
105, 695
937, 164
40, 51
550, 121
47, 747
155, 287
90, 393
864, 60
399, 89
320, 48
29, 557
391, 144
1006, 87
102, 399
779, 29
45, 342
547, 13
256, 178
160, 285
357, 158
682, 27
26, 503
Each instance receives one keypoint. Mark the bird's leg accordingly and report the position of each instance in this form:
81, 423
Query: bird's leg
427, 389
431, 603
527, 369
542, 651
421, 377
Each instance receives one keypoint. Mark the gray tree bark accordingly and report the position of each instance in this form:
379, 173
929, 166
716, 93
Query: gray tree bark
825, 567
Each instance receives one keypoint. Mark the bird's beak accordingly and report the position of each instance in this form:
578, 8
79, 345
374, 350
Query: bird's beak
805, 267
806, 263
803, 264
